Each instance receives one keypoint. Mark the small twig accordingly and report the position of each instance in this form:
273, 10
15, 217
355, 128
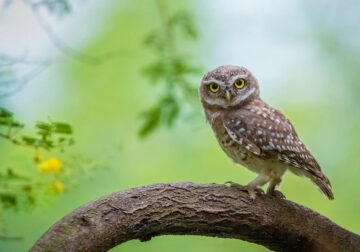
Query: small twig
20, 82
7, 60
71, 52
62, 46
7, 137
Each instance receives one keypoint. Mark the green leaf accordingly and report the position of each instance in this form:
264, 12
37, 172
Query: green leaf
6, 119
154, 40
182, 67
156, 71
5, 113
173, 112
31, 141
16, 124
46, 144
10, 123
62, 128
152, 119
62, 139
45, 129
9, 200
44, 126
183, 20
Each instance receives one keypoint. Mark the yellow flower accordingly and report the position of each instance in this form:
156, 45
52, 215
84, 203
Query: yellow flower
52, 165
58, 187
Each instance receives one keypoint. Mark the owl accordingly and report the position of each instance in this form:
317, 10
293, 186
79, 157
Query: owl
253, 134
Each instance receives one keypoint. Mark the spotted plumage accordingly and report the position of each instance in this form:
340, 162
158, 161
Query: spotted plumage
254, 134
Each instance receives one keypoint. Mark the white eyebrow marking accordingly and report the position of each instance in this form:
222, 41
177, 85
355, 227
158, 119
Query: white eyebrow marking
234, 78
244, 97
214, 81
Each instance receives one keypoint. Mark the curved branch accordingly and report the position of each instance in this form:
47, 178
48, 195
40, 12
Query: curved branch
192, 209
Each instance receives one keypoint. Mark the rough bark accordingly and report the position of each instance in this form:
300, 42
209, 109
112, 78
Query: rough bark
192, 209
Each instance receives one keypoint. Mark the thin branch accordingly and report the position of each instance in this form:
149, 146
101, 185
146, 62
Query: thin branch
8, 137
70, 52
7, 60
62, 46
9, 84
15, 85
191, 209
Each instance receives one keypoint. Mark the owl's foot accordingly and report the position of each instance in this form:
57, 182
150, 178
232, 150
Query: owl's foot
276, 194
274, 184
249, 189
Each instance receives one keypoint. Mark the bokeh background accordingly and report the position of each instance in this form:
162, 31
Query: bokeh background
305, 54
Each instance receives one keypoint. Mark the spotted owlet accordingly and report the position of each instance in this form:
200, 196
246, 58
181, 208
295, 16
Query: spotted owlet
254, 134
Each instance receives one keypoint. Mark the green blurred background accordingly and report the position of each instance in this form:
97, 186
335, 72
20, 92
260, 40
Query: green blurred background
305, 55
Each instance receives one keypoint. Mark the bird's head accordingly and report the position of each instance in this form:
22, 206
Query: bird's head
229, 86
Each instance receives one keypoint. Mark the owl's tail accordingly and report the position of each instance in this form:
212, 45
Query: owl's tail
318, 178
323, 183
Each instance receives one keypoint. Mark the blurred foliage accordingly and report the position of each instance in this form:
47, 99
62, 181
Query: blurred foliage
21, 190
24, 188
170, 68
58, 8
49, 135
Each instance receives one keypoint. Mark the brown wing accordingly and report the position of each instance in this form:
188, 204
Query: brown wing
239, 132
269, 134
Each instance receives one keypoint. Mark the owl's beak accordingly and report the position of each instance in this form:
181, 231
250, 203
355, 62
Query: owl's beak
228, 95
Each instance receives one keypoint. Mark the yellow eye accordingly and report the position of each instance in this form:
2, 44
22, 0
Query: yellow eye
214, 87
239, 83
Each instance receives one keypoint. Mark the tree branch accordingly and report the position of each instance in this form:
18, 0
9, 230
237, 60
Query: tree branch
191, 209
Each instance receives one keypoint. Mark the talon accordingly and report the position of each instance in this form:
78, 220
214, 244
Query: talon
259, 190
232, 184
277, 194
249, 189
252, 193
228, 182
236, 185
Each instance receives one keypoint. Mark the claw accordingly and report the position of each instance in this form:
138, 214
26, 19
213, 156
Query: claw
252, 193
232, 184
259, 190
250, 190
236, 185
277, 194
